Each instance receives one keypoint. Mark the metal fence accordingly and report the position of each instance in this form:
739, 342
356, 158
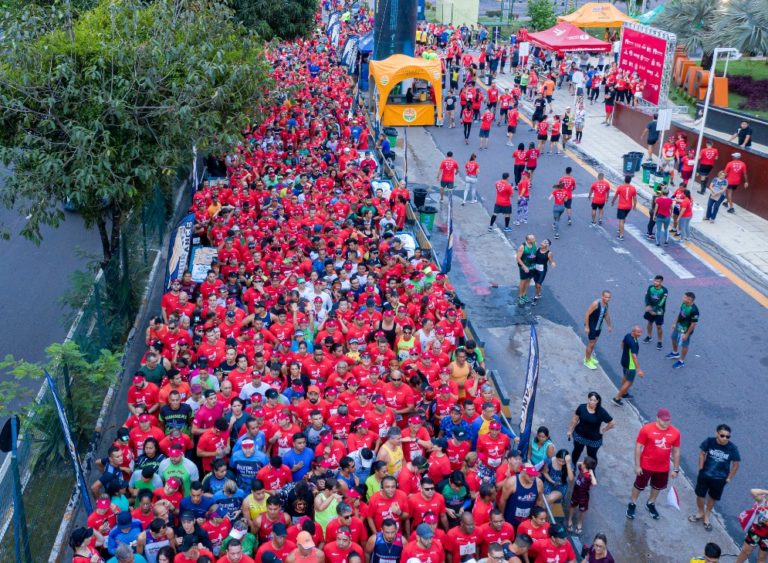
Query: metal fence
109, 307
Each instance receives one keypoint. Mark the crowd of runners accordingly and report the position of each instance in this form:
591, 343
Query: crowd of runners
316, 397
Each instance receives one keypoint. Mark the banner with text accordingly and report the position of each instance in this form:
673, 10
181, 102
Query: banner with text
644, 53
529, 394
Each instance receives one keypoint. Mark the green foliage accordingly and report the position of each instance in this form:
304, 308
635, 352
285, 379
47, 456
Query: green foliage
743, 24
81, 384
692, 21
286, 19
542, 14
100, 110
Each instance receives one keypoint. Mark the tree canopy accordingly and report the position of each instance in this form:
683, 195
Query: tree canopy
100, 109
542, 14
284, 19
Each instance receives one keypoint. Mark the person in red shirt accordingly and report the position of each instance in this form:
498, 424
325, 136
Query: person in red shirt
463, 540
486, 121
503, 203
537, 526
338, 551
277, 544
735, 173
531, 159
467, 116
627, 196
471, 168
558, 196
513, 116
555, 548
425, 501
423, 548
217, 526
143, 394
569, 183
190, 551
143, 431
542, 132
388, 503
598, 193
496, 530
656, 442
707, 158
446, 174
275, 476
554, 135
519, 156
214, 443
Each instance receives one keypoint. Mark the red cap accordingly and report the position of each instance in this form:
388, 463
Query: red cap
443, 389
664, 414
137, 379
415, 419
494, 425
102, 503
145, 418
430, 518
173, 482
258, 413
312, 388
231, 301
389, 313
175, 450
379, 400
326, 437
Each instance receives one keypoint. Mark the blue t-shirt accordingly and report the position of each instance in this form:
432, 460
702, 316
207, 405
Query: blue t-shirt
718, 458
198, 510
292, 458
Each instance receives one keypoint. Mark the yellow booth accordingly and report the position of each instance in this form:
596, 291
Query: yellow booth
414, 105
597, 14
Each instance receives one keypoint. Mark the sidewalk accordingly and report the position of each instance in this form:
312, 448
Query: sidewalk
485, 280
741, 239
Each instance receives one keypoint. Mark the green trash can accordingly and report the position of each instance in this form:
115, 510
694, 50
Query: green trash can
427, 215
648, 168
391, 134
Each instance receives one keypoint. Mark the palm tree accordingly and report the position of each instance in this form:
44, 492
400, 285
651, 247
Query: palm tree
743, 24
693, 21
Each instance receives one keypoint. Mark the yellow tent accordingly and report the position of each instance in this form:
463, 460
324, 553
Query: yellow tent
597, 14
390, 72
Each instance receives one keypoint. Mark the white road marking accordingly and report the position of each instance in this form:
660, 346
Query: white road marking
677, 269
620, 250
707, 264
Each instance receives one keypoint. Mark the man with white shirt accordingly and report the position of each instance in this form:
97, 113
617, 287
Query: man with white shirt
256, 385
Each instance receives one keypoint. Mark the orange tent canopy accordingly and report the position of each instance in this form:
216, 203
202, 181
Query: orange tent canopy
597, 14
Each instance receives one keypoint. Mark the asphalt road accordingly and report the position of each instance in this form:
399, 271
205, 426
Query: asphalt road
33, 279
727, 364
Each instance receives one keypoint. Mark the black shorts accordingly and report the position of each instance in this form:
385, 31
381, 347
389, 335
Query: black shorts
511, 128
658, 320
621, 214
530, 168
448, 185
539, 276
732, 186
598, 205
594, 333
542, 137
502, 209
537, 117
555, 138
567, 203
485, 133
503, 111
657, 479
549, 99
492, 105
526, 275
704, 169
629, 374
708, 486
652, 142
566, 132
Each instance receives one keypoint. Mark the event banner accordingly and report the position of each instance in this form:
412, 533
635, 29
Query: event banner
644, 54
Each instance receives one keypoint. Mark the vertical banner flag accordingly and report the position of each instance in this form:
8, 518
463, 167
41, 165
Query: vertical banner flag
76, 464
178, 249
529, 394
645, 54
448, 258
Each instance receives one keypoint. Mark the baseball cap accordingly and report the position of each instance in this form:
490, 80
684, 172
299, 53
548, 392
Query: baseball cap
530, 470
304, 540
313, 388
424, 531
137, 379
558, 531
279, 529
124, 519
430, 517
80, 535
664, 414
187, 515
196, 388
102, 503
175, 450
173, 482
494, 425
220, 512
248, 443
461, 435
145, 418
270, 557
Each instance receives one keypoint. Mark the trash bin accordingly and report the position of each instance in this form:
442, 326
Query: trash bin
632, 162
419, 197
648, 168
391, 134
427, 215
656, 178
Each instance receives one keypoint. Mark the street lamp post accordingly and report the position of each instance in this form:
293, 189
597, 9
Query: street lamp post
729, 52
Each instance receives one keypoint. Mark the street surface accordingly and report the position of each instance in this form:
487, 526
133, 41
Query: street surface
726, 361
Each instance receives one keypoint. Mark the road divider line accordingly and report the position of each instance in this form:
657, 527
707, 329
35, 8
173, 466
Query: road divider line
676, 268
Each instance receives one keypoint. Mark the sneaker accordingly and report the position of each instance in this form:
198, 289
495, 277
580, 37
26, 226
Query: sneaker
731, 210
525, 221
673, 355
557, 235
536, 298
652, 509
463, 203
594, 360
570, 222
490, 228
620, 237
631, 511
592, 224
620, 403
589, 364
678, 364
659, 346
517, 223
627, 395
600, 222
647, 339
507, 229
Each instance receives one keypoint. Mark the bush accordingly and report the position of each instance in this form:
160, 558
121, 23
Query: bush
755, 92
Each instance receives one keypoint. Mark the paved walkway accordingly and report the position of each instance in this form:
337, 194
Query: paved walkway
741, 239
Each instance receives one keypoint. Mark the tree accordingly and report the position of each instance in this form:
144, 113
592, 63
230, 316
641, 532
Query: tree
743, 24
286, 19
693, 21
542, 14
100, 110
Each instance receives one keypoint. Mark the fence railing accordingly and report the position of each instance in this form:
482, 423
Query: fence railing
109, 306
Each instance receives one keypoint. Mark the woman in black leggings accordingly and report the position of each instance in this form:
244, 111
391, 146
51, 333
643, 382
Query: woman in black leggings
467, 115
587, 428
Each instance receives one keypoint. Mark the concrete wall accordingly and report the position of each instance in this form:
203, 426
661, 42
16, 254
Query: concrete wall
458, 12
754, 199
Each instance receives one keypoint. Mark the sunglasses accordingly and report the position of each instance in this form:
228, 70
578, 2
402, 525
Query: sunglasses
396, 379
427, 488
725, 436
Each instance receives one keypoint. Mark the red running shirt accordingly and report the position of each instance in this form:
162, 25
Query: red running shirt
448, 167
504, 192
657, 445
599, 191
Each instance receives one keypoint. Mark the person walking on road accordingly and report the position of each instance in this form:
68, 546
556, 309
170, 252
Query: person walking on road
579, 119
719, 461
655, 305
587, 428
598, 193
532, 159
559, 196
662, 215
520, 158
682, 330
544, 259
503, 203
446, 174
757, 534
467, 116
569, 183
512, 117
526, 259
627, 196
596, 314
630, 367
656, 443
486, 122
717, 189
450, 109
735, 173
651, 135
472, 167
523, 196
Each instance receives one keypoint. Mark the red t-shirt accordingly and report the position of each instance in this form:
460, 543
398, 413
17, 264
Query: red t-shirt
531, 158
520, 157
512, 117
657, 445
379, 507
448, 169
524, 188
537, 534
708, 156
504, 193
543, 127
459, 543
432, 555
489, 535
569, 183
545, 550
486, 120
600, 191
560, 195
627, 194
735, 171
472, 168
